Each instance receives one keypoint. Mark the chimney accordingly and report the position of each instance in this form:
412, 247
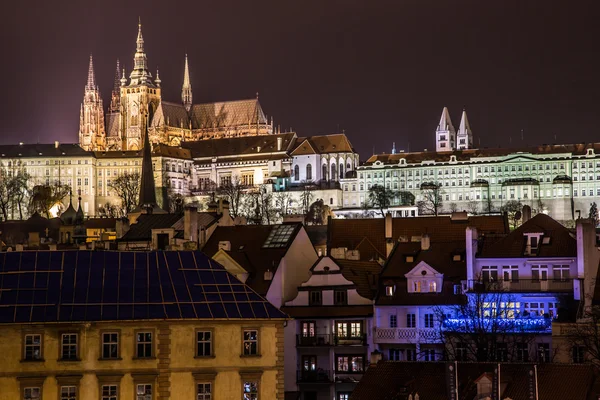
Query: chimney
425, 242
225, 245
388, 225
268, 275
279, 143
471, 239
190, 224
56, 144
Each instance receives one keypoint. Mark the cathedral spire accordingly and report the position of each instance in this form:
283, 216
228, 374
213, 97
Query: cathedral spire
139, 73
445, 133
115, 100
91, 80
186, 90
147, 189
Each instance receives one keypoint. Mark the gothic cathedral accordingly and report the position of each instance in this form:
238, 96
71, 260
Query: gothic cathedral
136, 102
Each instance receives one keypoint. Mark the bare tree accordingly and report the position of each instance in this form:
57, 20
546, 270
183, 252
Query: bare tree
234, 191
473, 206
431, 194
127, 188
488, 326
453, 207
380, 198
13, 193
318, 213
258, 206
306, 196
513, 209
44, 197
109, 210
282, 202
176, 202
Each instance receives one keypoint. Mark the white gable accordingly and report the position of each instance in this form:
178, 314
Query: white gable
327, 273
417, 271
424, 279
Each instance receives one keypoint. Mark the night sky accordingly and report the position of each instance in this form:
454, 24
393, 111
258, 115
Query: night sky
379, 70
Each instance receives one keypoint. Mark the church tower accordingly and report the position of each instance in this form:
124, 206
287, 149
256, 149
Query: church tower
141, 96
186, 90
445, 135
92, 135
115, 99
464, 136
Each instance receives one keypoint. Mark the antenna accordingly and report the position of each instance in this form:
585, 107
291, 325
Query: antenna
521, 134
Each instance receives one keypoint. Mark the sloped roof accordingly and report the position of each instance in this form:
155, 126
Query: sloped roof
171, 114
141, 230
391, 380
363, 274
562, 242
335, 143
368, 234
227, 114
49, 150
78, 286
171, 151
247, 250
112, 124
469, 154
245, 145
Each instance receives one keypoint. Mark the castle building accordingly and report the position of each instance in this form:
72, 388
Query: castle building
137, 101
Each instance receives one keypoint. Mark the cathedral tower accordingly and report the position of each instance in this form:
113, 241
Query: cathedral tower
186, 90
92, 135
115, 99
464, 136
445, 135
141, 96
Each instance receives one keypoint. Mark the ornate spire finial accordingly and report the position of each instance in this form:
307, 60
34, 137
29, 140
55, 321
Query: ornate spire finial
256, 95
157, 81
91, 80
140, 38
117, 77
186, 89
140, 74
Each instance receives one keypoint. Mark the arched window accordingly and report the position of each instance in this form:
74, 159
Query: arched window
348, 167
432, 287
296, 173
308, 172
333, 171
341, 171
324, 177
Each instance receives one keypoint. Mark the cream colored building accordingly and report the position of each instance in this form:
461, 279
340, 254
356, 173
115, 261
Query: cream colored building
144, 326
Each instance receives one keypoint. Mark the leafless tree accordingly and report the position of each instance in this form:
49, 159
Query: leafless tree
487, 326
431, 194
453, 207
306, 196
176, 202
473, 206
513, 209
282, 202
109, 210
44, 197
381, 198
127, 188
13, 193
234, 191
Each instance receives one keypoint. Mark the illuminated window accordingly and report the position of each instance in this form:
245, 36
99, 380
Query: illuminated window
250, 342
203, 391
250, 390
389, 290
33, 347
143, 391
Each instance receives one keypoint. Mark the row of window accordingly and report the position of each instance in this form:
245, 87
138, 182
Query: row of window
143, 391
354, 363
510, 273
110, 345
340, 297
309, 172
411, 320
343, 329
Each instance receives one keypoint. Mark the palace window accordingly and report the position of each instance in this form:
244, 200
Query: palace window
68, 346
203, 391
110, 345
68, 392
250, 342
143, 344
251, 390
144, 391
32, 393
204, 343
33, 347
543, 352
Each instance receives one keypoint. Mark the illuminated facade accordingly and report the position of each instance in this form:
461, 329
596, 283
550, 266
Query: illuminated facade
137, 102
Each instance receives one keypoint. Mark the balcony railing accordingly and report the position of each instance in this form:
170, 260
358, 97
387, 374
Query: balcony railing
314, 340
523, 285
360, 340
314, 376
406, 335
497, 324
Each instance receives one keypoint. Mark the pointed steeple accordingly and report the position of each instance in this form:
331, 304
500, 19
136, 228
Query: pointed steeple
91, 80
445, 121
115, 100
140, 73
147, 189
464, 136
186, 90
445, 135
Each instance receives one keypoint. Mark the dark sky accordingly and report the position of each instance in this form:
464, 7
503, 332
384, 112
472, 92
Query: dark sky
380, 70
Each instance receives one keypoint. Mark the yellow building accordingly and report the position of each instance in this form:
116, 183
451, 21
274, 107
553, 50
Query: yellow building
142, 326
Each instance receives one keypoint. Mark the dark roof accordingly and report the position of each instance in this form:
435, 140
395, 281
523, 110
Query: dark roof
363, 274
228, 114
112, 124
243, 146
171, 151
171, 114
393, 380
328, 311
74, 286
335, 143
101, 223
48, 150
467, 155
247, 250
141, 230
562, 242
317, 234
368, 234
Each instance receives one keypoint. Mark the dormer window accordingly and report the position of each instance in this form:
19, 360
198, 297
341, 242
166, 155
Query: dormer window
533, 241
389, 290
456, 257
410, 259
432, 286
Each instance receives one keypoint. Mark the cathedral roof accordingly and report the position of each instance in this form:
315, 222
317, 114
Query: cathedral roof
227, 114
171, 114
112, 125
244, 146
